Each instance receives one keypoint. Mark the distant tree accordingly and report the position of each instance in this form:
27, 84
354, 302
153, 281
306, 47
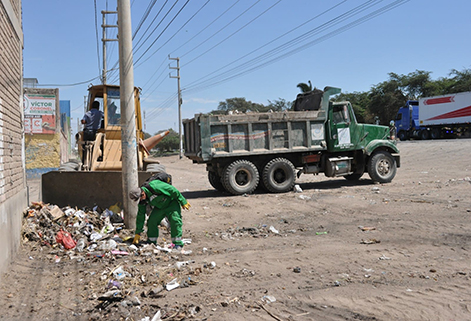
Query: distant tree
384, 100
170, 142
461, 81
146, 135
279, 105
240, 104
305, 87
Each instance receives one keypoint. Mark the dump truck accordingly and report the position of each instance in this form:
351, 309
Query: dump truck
96, 178
271, 150
445, 116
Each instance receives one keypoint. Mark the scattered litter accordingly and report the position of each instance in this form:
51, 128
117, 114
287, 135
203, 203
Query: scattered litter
367, 228
273, 230
268, 299
383, 257
297, 189
321, 233
297, 269
172, 285
370, 241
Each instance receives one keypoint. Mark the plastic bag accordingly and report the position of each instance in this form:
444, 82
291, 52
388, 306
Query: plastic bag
64, 238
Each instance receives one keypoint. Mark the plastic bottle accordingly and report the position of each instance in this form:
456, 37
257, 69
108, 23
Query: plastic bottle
80, 245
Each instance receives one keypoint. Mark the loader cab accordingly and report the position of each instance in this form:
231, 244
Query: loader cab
105, 152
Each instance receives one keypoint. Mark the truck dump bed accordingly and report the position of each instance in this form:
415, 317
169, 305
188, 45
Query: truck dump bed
217, 136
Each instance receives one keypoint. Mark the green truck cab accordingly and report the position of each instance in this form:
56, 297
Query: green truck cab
243, 151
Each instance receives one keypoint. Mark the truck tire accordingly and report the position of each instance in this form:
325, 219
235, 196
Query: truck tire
402, 135
424, 134
353, 177
435, 133
382, 167
215, 181
278, 175
240, 177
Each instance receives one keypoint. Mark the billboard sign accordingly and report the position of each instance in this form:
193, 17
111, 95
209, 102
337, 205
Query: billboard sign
40, 113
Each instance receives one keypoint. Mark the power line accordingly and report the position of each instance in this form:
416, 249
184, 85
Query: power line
175, 33
270, 42
344, 28
168, 25
137, 46
221, 29
232, 34
294, 41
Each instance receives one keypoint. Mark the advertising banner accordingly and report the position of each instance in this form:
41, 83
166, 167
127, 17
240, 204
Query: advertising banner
40, 113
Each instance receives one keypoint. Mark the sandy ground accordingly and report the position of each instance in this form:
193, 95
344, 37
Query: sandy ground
292, 256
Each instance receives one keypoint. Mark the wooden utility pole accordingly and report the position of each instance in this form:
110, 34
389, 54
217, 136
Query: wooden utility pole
179, 103
128, 117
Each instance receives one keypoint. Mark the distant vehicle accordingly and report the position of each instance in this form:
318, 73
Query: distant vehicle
96, 178
243, 151
435, 117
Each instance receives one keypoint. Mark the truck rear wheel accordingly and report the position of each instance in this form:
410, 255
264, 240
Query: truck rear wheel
382, 167
435, 133
278, 175
215, 181
240, 177
424, 134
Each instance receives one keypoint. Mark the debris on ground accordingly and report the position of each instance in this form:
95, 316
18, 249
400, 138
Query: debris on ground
116, 271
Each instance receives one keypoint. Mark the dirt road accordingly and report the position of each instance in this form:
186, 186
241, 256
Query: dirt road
336, 251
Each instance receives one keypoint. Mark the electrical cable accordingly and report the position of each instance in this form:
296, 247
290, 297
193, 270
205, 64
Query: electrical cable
221, 29
168, 25
295, 40
171, 37
316, 41
270, 42
152, 22
235, 32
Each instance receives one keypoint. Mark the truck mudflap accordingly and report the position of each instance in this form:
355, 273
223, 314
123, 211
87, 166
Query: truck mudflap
83, 188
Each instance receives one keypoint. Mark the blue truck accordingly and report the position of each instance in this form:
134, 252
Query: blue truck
446, 116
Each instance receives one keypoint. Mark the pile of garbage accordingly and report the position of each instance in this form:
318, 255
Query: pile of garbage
123, 278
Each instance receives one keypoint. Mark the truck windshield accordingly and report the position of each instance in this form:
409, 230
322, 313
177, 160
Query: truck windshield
340, 114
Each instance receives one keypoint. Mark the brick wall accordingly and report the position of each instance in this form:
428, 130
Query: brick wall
11, 126
13, 191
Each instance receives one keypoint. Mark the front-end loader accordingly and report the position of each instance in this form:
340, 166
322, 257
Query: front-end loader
96, 178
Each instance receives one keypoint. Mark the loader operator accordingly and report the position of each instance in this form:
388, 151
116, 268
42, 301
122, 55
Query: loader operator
165, 201
92, 121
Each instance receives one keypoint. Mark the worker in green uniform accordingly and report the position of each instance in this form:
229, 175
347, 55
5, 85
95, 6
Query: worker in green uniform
165, 201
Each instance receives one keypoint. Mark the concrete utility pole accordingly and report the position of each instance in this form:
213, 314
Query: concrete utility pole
104, 40
179, 103
128, 117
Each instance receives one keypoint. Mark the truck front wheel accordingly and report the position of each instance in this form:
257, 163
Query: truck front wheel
382, 167
402, 135
240, 177
278, 175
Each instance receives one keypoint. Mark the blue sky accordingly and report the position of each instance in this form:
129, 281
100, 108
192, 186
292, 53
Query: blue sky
244, 43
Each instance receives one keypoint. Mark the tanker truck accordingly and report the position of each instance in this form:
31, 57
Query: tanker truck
446, 116
271, 150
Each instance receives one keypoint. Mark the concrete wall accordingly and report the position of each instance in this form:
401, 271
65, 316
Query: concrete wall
13, 195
